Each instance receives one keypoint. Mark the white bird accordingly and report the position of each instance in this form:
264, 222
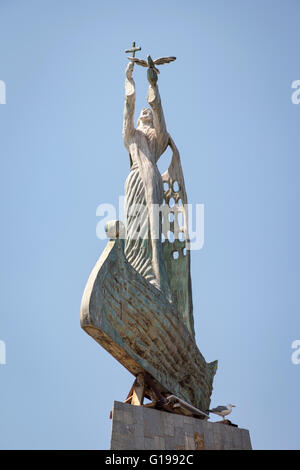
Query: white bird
222, 410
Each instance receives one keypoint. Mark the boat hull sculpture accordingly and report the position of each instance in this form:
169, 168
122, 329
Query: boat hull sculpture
137, 325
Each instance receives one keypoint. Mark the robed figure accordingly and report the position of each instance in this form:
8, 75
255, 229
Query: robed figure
144, 194
144, 186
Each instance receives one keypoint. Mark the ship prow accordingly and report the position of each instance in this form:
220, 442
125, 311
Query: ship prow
137, 325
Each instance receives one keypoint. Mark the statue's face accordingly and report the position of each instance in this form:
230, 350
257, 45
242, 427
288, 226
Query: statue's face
146, 116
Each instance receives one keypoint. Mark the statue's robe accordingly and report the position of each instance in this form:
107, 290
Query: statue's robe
144, 188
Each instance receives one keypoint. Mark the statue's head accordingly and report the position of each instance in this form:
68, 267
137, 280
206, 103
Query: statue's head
145, 118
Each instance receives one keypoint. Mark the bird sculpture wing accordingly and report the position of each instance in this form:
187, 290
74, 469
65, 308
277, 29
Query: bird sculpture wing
164, 60
137, 61
218, 409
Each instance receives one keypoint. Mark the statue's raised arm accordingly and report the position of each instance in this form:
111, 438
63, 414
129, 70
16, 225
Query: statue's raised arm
128, 116
158, 116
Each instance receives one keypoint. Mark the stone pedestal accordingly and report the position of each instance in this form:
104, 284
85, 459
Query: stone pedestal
138, 428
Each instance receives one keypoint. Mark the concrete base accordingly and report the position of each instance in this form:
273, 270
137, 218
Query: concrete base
137, 427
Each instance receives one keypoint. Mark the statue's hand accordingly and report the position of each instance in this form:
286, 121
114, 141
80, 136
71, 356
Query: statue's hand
129, 70
152, 77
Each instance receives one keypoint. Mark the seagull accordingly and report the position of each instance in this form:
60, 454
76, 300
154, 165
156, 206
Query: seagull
222, 410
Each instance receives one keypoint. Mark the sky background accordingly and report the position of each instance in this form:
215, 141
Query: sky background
227, 103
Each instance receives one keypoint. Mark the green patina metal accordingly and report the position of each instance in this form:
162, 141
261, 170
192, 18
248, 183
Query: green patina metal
138, 300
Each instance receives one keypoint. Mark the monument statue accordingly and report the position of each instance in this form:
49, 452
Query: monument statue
138, 300
144, 186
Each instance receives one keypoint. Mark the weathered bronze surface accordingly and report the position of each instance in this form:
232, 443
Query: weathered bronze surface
138, 300
135, 323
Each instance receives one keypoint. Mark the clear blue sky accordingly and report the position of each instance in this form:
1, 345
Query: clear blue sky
227, 102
